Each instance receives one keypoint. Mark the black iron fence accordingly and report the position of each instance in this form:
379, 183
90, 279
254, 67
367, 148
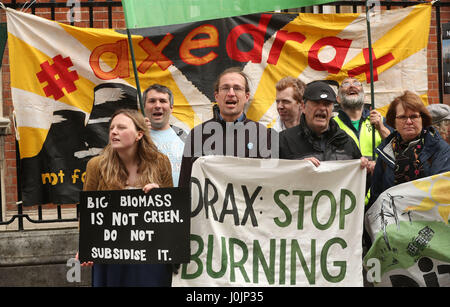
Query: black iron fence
21, 216
33, 6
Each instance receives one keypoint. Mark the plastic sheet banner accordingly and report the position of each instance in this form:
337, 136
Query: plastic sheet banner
66, 81
257, 222
183, 11
409, 227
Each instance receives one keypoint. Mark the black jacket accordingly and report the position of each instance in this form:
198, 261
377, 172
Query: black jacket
301, 142
245, 139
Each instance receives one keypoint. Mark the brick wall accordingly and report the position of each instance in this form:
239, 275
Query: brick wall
101, 21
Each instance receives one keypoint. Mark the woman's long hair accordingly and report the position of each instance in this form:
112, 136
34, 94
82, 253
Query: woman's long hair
113, 170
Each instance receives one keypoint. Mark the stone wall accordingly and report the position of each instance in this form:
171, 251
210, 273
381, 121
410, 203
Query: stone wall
38, 258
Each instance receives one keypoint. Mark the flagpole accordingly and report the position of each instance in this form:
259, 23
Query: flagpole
372, 94
136, 77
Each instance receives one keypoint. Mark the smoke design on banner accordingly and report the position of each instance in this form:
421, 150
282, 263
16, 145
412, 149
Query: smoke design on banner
64, 67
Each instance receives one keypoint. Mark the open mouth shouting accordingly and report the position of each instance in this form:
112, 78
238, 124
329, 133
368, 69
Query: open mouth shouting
353, 97
231, 104
321, 116
157, 115
352, 92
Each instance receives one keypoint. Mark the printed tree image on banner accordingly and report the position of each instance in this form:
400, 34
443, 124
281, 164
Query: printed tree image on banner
66, 81
409, 228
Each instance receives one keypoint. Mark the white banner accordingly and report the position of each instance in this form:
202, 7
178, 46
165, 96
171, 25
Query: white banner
275, 223
409, 228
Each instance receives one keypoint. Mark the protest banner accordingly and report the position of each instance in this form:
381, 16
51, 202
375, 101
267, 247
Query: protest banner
66, 81
130, 226
409, 228
257, 222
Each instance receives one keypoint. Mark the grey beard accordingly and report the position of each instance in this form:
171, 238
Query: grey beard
352, 103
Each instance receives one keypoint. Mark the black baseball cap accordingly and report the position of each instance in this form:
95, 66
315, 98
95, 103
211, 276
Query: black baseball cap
319, 90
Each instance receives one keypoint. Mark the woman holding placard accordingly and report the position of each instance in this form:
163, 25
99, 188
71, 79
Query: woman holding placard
129, 161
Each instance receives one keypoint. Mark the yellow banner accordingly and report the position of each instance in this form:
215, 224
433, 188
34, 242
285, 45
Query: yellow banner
66, 81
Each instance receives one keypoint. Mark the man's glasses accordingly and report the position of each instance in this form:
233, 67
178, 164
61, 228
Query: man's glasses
354, 83
236, 89
404, 118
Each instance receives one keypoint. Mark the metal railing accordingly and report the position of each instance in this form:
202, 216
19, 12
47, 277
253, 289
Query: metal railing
21, 216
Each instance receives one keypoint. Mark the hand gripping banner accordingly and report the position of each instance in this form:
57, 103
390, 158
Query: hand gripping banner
283, 223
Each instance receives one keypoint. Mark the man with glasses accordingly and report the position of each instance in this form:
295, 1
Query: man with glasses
230, 133
357, 121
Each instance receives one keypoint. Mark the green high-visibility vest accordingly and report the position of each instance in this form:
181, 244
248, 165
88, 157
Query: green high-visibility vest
364, 142
365, 136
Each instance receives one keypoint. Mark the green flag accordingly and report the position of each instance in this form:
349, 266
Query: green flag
150, 13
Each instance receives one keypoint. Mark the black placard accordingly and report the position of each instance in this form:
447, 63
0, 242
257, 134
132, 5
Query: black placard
130, 226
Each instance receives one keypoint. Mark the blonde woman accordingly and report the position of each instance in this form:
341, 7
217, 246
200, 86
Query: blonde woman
129, 161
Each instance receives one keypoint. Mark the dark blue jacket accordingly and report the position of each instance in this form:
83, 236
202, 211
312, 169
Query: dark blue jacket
435, 157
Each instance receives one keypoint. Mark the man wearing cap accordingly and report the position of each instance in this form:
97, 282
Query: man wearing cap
440, 114
317, 137
357, 121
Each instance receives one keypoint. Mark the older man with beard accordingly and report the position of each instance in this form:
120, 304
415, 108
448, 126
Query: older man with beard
357, 121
